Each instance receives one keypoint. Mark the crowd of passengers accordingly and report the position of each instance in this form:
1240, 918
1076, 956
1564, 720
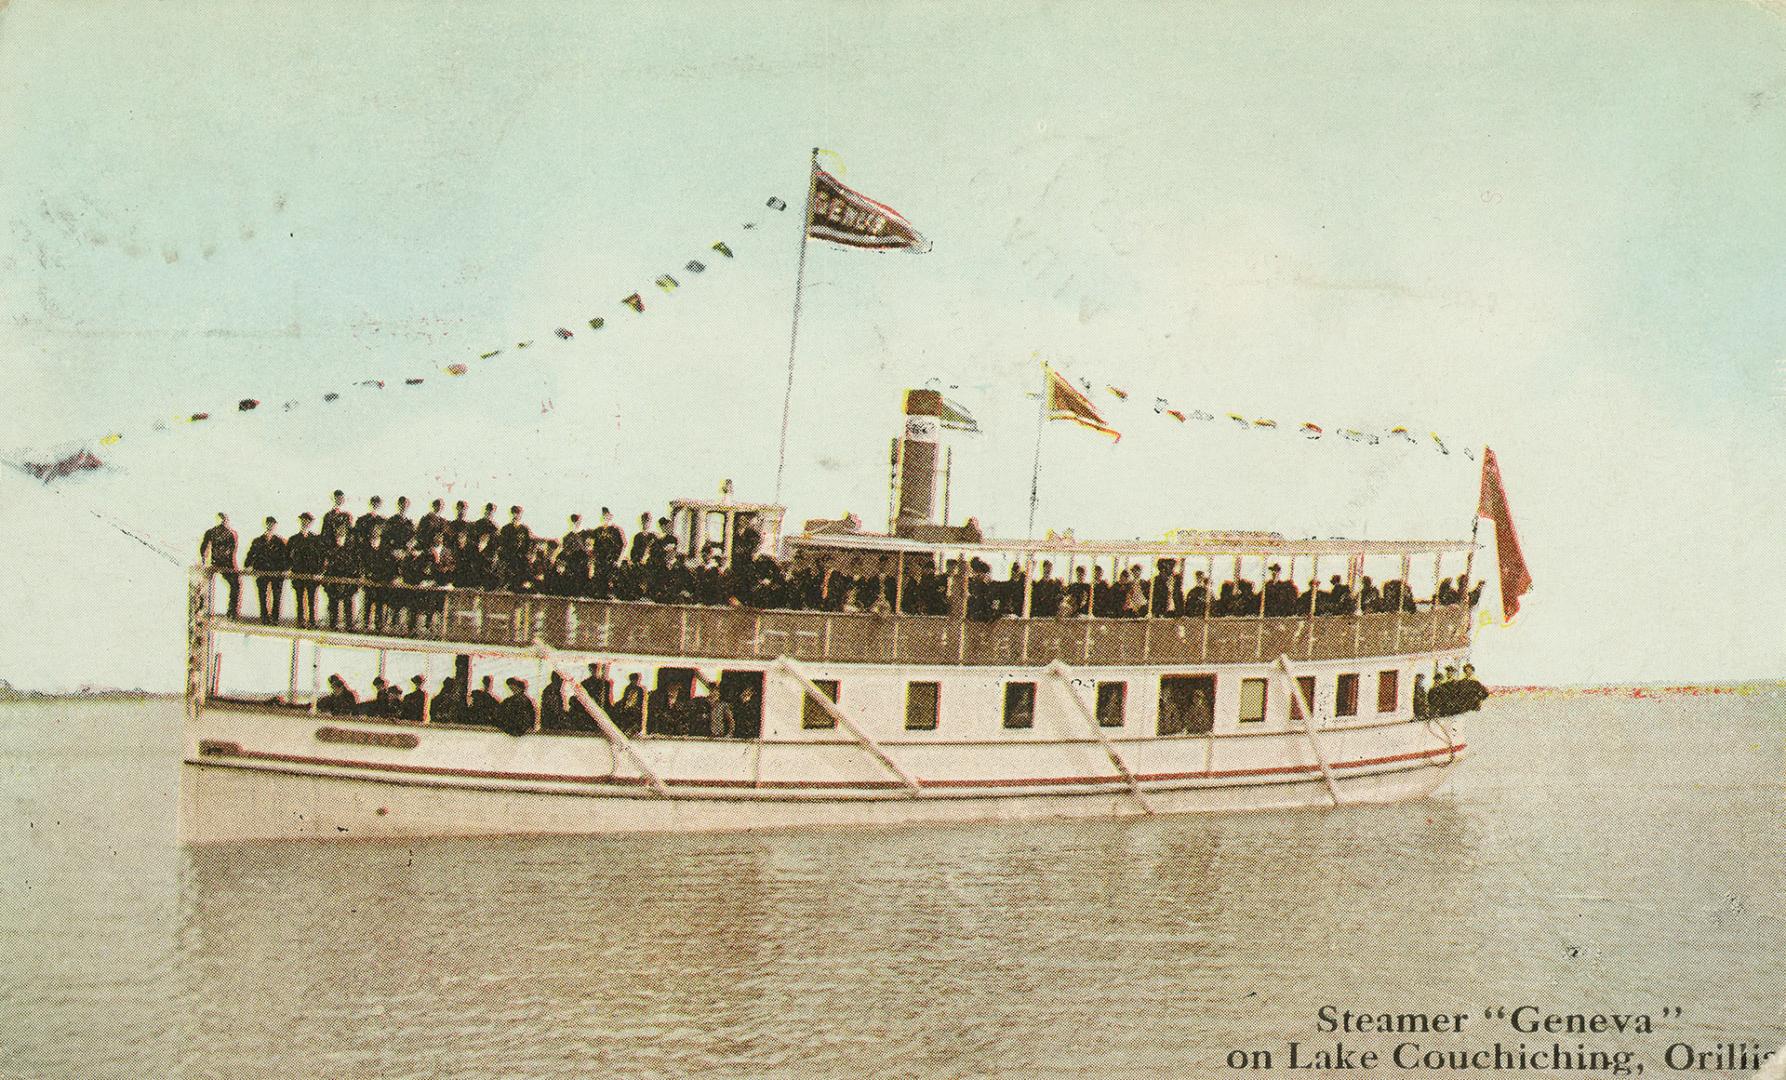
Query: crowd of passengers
385, 572
674, 708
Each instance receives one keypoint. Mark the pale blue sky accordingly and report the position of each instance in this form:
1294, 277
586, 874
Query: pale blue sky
1553, 229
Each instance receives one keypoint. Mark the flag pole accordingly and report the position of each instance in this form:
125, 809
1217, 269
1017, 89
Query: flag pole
787, 399
1035, 472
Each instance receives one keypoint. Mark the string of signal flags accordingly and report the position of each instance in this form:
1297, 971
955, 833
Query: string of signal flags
71, 461
1073, 401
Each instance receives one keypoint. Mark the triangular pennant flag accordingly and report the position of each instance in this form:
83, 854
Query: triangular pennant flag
1118, 391
1176, 415
720, 246
523, 344
330, 396
1401, 432
247, 404
1312, 431
1199, 414
636, 302
694, 266
1239, 419
775, 204
1441, 442
488, 355
372, 384
848, 217
1265, 423
563, 333
597, 323
456, 369
111, 439
666, 283
412, 382
1065, 402
197, 416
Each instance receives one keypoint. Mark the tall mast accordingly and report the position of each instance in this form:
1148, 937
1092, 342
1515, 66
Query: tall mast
787, 400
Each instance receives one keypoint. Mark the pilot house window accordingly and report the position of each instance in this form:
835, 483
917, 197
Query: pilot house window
923, 702
815, 716
1020, 704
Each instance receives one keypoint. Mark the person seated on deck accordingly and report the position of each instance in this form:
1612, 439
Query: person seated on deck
482, 707
390, 705
1447, 593
1337, 600
554, 716
1280, 593
628, 711
340, 699
1369, 600
517, 714
1196, 598
448, 706
415, 703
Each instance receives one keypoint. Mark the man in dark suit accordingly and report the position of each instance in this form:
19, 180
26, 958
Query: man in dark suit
642, 541
304, 552
373, 518
609, 540
482, 709
431, 527
628, 713
415, 703
517, 714
457, 531
398, 529
378, 565
267, 560
341, 563
338, 516
217, 550
340, 699
484, 526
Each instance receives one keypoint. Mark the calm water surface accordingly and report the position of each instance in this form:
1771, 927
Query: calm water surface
1597, 854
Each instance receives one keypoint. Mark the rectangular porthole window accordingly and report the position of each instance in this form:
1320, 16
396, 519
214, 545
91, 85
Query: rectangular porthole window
923, 703
1252, 700
1113, 703
1020, 704
1305, 685
1345, 696
1388, 690
815, 716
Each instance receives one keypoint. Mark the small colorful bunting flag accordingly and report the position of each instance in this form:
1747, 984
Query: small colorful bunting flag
197, 416
371, 384
523, 344
330, 396
1121, 394
1441, 442
456, 369
1176, 415
666, 283
1262, 422
564, 334
597, 323
775, 204
1239, 419
488, 355
247, 404
1312, 431
720, 246
412, 382
636, 302
694, 266
111, 439
1199, 414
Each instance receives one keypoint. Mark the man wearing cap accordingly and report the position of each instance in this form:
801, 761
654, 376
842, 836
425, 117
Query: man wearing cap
340, 699
484, 526
415, 703
642, 541
517, 715
515, 541
368, 521
596, 688
217, 550
338, 516
432, 526
483, 704
341, 564
305, 558
398, 529
267, 561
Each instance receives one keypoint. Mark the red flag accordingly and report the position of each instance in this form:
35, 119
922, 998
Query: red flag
1065, 402
848, 217
1516, 580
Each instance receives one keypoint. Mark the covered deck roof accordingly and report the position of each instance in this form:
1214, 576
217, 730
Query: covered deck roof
1188, 546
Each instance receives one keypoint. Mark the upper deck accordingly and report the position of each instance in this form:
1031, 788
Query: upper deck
472, 618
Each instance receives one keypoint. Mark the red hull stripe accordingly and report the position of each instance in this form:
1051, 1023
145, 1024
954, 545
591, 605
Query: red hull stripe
227, 750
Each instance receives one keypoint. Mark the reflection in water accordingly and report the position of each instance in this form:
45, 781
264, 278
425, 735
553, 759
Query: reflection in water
976, 949
1597, 854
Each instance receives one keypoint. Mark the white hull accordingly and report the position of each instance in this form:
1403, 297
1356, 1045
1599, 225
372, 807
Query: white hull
254, 773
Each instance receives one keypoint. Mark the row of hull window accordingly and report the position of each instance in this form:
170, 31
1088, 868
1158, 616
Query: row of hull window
1187, 702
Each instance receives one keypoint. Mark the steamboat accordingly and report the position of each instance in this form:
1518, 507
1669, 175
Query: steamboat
774, 717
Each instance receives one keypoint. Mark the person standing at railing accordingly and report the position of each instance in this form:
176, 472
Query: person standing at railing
267, 561
398, 529
217, 550
432, 526
373, 518
337, 517
341, 562
306, 556
378, 566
